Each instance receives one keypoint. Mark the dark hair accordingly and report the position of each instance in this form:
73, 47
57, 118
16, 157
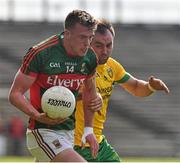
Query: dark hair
103, 26
81, 17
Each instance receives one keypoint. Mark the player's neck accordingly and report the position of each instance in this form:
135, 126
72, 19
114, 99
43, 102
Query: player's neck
68, 48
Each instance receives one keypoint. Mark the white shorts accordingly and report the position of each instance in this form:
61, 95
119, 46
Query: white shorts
45, 144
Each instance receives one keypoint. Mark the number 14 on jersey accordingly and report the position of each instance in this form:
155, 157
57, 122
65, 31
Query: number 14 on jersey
69, 69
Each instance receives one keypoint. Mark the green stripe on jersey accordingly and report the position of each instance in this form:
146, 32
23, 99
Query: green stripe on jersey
124, 79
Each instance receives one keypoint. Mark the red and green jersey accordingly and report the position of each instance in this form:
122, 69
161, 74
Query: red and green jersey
50, 64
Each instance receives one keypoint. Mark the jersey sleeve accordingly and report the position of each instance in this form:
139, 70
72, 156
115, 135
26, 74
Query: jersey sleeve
121, 76
31, 63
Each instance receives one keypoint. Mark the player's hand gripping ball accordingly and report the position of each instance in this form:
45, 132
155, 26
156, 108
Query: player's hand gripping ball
58, 102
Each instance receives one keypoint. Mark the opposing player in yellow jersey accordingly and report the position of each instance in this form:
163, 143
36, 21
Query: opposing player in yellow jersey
109, 72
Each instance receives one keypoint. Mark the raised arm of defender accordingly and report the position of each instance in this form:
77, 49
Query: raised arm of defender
142, 88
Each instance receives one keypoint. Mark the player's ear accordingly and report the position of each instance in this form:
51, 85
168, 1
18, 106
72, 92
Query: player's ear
67, 33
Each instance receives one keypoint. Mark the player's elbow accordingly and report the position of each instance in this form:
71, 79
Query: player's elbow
12, 96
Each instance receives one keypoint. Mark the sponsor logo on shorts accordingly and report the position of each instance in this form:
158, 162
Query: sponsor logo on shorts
57, 144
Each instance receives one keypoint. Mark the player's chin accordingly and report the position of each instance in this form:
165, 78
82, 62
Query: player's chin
102, 61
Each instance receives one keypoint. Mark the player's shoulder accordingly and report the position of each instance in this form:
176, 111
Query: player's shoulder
90, 59
114, 65
45, 44
91, 55
42, 49
112, 62
50, 41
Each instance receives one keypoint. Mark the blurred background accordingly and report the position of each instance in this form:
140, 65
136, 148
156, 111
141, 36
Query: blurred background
147, 43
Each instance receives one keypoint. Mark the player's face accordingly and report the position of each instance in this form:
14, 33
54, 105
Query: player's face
80, 39
103, 46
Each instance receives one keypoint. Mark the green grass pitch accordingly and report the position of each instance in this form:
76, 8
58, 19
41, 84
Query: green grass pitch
124, 159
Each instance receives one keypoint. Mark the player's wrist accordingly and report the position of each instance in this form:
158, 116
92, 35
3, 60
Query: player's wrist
151, 88
88, 130
34, 114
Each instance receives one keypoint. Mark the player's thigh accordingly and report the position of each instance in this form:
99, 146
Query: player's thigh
68, 155
45, 144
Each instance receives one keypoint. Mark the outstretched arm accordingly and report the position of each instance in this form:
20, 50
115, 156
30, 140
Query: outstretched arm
143, 88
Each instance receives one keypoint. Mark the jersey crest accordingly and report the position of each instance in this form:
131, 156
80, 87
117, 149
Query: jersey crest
110, 72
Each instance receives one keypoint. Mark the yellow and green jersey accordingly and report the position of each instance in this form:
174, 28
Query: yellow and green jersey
107, 75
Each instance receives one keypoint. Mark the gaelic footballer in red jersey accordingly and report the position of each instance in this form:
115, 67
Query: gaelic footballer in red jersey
63, 59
